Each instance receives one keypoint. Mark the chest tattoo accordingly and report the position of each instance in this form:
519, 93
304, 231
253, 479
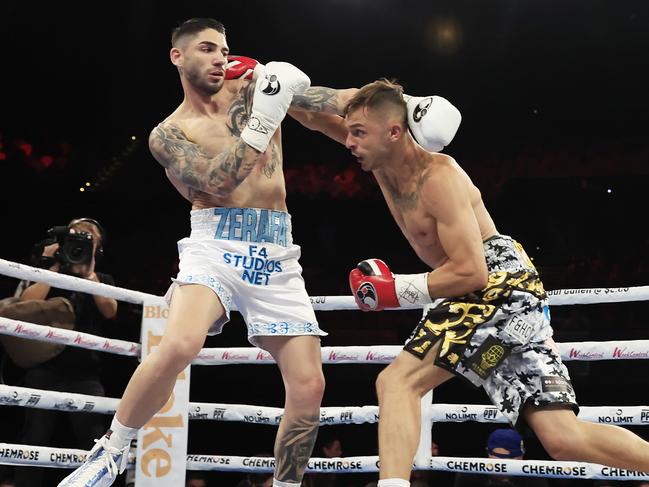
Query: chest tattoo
272, 163
405, 200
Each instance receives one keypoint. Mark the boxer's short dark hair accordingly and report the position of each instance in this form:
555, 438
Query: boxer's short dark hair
193, 26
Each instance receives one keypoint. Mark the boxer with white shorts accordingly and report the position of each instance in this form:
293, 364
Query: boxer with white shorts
221, 149
248, 258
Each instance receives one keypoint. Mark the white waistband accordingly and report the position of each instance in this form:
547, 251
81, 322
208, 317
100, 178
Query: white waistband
243, 225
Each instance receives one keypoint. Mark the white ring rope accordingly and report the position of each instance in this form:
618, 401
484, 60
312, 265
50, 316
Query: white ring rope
42, 456
61, 401
71, 283
32, 331
557, 298
55, 457
440, 412
320, 303
371, 354
59, 457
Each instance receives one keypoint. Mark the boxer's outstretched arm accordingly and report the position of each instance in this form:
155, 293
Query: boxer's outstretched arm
333, 126
314, 99
433, 121
189, 163
320, 99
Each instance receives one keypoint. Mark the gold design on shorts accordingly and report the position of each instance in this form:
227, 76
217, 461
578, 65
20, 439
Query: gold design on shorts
425, 344
488, 356
453, 358
517, 281
455, 320
535, 287
495, 288
455, 329
491, 357
523, 254
502, 284
467, 317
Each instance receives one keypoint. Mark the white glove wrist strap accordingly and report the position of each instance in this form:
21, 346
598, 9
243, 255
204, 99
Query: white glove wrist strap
258, 131
412, 289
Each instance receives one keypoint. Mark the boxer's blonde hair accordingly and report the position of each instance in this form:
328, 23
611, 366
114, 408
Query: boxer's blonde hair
378, 94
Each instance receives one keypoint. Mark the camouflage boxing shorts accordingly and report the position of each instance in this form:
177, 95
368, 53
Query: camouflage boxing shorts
500, 337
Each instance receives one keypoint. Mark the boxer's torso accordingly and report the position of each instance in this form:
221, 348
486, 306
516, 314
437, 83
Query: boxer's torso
417, 224
216, 133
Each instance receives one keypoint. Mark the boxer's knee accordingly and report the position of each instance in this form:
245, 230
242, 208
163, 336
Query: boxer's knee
174, 356
563, 439
306, 390
392, 380
380, 384
562, 447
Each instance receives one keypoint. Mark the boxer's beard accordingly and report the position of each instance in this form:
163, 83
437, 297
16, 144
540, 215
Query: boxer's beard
199, 81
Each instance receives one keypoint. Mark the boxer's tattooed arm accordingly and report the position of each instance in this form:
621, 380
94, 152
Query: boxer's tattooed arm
294, 447
319, 99
198, 170
240, 110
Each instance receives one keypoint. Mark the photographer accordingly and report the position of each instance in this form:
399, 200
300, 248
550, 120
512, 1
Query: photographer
73, 249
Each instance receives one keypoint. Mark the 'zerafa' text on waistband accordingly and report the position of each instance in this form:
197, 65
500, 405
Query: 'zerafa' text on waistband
251, 225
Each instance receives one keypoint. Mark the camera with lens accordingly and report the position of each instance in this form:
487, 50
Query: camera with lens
74, 248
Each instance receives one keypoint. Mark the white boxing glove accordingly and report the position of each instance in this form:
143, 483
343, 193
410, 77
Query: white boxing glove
433, 121
273, 95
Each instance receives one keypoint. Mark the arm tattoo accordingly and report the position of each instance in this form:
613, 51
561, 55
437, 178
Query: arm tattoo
293, 449
197, 169
318, 99
240, 110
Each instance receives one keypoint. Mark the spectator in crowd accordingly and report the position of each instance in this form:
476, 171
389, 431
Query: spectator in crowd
502, 443
329, 446
257, 479
195, 479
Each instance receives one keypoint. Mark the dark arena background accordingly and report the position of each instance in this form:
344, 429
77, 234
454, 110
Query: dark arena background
555, 104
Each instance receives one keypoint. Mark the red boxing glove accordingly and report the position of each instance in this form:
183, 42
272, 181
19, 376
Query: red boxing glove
375, 287
240, 67
372, 285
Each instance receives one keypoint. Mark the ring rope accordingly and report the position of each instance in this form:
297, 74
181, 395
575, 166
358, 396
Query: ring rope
52, 334
23, 454
11, 454
374, 354
72, 283
320, 303
440, 412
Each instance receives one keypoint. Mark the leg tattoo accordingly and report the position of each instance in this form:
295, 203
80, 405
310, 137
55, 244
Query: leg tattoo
293, 449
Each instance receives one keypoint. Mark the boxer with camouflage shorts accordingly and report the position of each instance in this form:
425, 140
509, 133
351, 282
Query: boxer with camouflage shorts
489, 321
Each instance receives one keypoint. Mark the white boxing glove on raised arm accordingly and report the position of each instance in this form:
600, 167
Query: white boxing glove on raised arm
433, 121
273, 95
